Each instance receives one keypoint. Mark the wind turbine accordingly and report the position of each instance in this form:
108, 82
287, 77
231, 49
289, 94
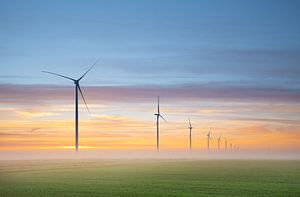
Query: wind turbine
225, 145
77, 87
190, 127
158, 115
208, 139
219, 140
230, 147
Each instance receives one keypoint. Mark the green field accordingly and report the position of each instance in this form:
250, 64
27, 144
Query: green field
150, 178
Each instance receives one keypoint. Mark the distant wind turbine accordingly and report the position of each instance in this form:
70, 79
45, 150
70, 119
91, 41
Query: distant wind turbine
158, 115
230, 147
190, 127
225, 145
208, 139
219, 141
77, 87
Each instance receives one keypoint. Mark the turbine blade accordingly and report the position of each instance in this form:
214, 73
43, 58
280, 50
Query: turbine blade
162, 118
88, 70
190, 122
83, 98
59, 75
158, 104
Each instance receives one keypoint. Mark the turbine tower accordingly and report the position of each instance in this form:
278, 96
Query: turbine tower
77, 87
158, 115
208, 139
219, 140
190, 127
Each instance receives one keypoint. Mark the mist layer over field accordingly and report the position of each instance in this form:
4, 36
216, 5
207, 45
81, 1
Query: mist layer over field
150, 177
146, 154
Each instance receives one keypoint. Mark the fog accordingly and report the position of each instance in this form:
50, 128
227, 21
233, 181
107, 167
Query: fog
145, 154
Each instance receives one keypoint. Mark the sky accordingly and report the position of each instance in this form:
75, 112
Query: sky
233, 66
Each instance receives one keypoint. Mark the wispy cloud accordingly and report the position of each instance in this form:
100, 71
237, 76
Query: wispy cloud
41, 94
34, 114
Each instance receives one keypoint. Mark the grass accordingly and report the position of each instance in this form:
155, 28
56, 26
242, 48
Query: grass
150, 178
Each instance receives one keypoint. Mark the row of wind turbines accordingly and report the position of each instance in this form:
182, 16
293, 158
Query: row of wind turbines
158, 115
209, 138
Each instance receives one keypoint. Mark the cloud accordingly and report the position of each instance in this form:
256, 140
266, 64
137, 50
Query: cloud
239, 113
7, 109
199, 61
34, 114
34, 129
111, 118
43, 94
13, 77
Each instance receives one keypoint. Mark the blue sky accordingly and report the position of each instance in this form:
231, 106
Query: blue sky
152, 42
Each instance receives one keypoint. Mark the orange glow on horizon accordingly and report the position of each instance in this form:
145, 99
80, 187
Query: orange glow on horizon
28, 129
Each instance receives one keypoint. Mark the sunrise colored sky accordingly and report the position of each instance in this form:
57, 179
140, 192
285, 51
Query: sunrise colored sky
230, 65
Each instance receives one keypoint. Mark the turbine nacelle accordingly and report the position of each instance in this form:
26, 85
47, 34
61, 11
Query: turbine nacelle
209, 134
160, 116
190, 124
